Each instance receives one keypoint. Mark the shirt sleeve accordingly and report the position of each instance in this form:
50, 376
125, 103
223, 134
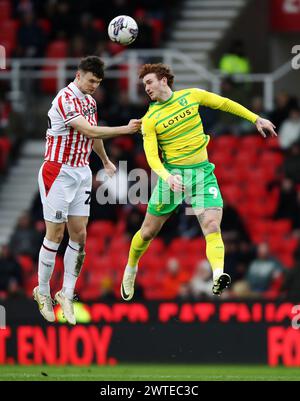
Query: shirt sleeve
151, 149
68, 109
214, 101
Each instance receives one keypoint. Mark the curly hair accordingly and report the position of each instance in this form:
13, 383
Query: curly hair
160, 70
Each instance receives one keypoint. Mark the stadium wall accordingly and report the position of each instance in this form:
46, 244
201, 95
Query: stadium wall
166, 332
266, 47
281, 45
253, 28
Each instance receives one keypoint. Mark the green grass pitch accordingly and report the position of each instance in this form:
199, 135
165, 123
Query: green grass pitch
136, 372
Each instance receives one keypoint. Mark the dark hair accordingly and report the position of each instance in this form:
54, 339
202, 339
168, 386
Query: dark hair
92, 64
160, 70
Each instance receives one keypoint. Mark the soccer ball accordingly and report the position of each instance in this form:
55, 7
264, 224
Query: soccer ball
123, 29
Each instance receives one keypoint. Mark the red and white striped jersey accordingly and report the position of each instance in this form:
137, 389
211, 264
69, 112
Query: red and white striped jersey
63, 143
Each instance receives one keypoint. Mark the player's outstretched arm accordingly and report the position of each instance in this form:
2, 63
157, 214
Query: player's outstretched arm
214, 101
82, 125
264, 126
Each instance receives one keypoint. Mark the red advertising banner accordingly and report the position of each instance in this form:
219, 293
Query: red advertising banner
285, 15
246, 332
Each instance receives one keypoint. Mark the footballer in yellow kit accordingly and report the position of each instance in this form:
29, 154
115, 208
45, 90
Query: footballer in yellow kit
173, 125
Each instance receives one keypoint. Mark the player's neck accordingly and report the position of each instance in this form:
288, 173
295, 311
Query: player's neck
78, 86
165, 95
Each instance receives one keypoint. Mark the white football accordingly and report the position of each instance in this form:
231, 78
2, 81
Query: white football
123, 29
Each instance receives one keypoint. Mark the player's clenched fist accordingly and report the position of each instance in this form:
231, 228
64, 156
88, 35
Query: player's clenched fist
175, 182
134, 126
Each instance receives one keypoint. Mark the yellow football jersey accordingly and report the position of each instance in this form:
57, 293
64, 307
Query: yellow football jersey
175, 127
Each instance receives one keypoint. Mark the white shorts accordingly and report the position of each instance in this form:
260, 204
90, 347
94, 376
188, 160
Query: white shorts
65, 191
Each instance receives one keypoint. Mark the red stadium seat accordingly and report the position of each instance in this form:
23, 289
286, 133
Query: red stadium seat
125, 143
157, 247
271, 158
272, 143
30, 283
5, 11
56, 50
154, 293
276, 244
254, 192
104, 228
115, 48
196, 246
232, 194
119, 245
260, 230
250, 174
241, 174
284, 250
151, 264
283, 245
270, 171
80, 283
226, 175
282, 227
256, 176
59, 264
90, 293
287, 260
274, 291
246, 158
102, 264
120, 228
151, 276
8, 32
189, 263
26, 263
178, 245
225, 143
95, 245
118, 260
221, 158
157, 30
251, 142
257, 209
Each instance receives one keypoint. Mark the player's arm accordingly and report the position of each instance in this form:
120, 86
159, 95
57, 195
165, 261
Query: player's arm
71, 116
214, 101
98, 147
94, 132
151, 151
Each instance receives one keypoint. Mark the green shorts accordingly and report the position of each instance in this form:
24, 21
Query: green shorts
201, 189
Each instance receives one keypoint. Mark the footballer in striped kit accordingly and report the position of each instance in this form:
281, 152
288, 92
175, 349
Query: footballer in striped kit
65, 181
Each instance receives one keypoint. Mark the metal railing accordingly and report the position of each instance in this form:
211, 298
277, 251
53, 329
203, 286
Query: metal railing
18, 70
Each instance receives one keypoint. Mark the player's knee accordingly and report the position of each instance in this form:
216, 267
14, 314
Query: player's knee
55, 235
148, 233
79, 237
57, 238
212, 226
